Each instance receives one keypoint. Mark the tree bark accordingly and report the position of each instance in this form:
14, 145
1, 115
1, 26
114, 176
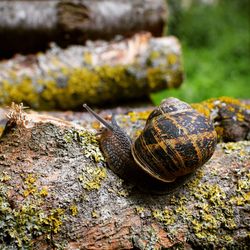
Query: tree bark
56, 192
66, 22
231, 117
98, 73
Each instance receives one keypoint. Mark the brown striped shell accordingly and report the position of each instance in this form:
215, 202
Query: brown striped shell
176, 141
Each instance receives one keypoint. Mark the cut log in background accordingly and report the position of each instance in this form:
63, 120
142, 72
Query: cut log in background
56, 192
97, 73
28, 26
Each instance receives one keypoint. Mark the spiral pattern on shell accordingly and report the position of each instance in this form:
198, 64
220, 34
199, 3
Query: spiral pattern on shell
176, 141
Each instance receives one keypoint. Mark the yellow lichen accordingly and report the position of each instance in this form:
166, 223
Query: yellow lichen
207, 106
201, 108
172, 59
88, 142
181, 209
28, 219
74, 209
166, 216
92, 177
241, 199
30, 179
156, 78
213, 208
30, 188
53, 220
87, 58
4, 177
243, 185
154, 55
24, 90
192, 184
94, 214
123, 193
1, 130
95, 125
44, 192
68, 88
139, 210
140, 115
90, 146
231, 146
240, 117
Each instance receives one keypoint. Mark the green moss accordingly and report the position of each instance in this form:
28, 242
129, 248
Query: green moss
49, 95
28, 219
83, 84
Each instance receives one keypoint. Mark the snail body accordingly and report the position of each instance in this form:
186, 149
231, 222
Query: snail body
175, 141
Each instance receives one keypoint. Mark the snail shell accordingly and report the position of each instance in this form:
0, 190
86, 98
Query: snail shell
176, 140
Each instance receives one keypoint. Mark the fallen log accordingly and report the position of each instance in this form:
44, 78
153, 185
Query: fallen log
97, 73
68, 22
56, 192
230, 116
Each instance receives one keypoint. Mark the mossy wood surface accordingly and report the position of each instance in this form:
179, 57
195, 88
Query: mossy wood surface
56, 192
100, 72
28, 26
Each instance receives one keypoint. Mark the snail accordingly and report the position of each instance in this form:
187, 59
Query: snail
175, 141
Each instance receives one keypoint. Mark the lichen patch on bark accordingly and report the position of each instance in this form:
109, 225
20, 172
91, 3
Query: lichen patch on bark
56, 188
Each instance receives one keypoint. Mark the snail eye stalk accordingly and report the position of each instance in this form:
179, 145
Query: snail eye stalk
101, 120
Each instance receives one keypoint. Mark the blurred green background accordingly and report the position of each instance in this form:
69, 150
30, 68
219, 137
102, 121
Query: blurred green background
216, 49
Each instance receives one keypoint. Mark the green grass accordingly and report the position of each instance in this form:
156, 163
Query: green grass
216, 51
